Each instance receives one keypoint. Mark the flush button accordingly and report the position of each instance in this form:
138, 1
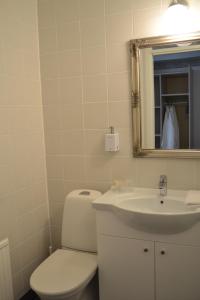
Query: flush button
85, 193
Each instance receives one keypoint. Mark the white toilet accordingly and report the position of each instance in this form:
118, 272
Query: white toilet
69, 273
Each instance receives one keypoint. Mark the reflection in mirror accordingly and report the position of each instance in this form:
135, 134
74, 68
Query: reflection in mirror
170, 96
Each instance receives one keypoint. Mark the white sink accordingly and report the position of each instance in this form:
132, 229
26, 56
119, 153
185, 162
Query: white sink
157, 214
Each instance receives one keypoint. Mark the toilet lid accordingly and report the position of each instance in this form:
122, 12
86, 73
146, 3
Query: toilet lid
63, 272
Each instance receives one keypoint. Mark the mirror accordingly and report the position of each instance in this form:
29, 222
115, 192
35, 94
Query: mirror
166, 96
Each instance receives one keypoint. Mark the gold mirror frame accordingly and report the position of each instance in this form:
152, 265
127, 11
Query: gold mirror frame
135, 48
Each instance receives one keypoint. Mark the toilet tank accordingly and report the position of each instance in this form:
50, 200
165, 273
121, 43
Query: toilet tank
79, 221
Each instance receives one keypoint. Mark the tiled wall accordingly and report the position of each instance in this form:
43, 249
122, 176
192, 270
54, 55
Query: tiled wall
86, 88
23, 195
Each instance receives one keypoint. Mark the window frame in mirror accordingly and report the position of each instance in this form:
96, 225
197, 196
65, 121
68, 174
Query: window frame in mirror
136, 46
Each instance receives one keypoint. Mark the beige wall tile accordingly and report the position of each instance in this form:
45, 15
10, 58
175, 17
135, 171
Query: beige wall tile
73, 142
146, 4
68, 36
5, 120
56, 190
49, 66
95, 88
124, 168
56, 209
119, 86
71, 90
97, 74
118, 58
92, 32
72, 117
66, 10
92, 8
181, 174
55, 169
149, 172
147, 22
125, 136
54, 142
56, 237
94, 60
98, 168
52, 117
74, 168
95, 115
31, 65
118, 6
46, 13
120, 114
119, 28
22, 160
50, 91
69, 63
48, 40
94, 142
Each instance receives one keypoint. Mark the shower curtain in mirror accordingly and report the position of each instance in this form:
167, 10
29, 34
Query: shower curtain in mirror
170, 134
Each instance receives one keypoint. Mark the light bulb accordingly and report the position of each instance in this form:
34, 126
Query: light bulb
177, 19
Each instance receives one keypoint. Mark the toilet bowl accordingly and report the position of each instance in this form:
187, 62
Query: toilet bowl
70, 273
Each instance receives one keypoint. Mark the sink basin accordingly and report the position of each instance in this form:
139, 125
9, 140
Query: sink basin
157, 214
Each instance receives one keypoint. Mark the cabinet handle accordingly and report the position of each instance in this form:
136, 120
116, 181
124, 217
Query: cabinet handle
146, 250
162, 252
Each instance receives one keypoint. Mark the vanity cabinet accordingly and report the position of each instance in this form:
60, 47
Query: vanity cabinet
177, 272
126, 268
133, 269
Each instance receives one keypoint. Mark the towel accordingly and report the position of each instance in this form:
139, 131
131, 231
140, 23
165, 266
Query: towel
192, 198
170, 134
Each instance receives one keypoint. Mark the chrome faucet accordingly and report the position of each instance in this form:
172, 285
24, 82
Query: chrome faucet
163, 185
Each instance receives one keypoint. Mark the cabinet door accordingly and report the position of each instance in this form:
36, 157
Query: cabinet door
126, 268
177, 272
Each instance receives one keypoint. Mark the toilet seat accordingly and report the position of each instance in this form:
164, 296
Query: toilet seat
64, 272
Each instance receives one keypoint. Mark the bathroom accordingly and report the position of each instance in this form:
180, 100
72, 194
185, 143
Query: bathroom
65, 78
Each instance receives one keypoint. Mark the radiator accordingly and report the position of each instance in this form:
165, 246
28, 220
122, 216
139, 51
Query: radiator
6, 289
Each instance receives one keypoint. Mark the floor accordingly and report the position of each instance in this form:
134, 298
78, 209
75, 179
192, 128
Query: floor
30, 296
